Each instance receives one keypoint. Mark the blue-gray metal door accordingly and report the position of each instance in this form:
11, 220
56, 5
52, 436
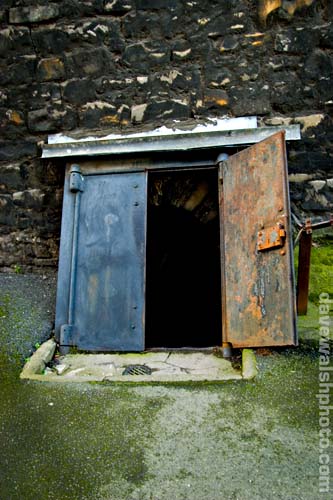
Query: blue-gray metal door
101, 282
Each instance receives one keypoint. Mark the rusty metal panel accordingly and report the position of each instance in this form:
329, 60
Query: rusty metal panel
303, 277
110, 264
258, 300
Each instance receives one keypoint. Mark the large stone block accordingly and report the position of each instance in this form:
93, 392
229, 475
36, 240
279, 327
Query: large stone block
140, 56
13, 150
319, 65
51, 119
31, 198
103, 115
300, 40
33, 14
158, 25
11, 177
22, 71
79, 91
95, 33
166, 110
15, 40
51, 68
7, 211
82, 8
93, 63
50, 40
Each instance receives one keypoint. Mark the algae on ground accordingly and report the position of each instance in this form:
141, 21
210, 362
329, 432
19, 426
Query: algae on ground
233, 440
321, 268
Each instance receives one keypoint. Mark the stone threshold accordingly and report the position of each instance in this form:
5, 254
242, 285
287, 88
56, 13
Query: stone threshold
161, 366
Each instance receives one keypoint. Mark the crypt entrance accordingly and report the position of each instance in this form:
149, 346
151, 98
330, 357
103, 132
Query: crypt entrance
177, 250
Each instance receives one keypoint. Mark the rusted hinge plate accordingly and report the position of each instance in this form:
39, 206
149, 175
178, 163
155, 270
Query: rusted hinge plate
271, 237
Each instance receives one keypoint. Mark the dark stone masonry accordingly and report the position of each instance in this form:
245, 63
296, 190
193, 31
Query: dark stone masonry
119, 65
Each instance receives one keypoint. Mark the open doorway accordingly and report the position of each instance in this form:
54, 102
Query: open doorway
183, 277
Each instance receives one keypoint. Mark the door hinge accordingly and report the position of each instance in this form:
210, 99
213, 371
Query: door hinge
66, 334
76, 179
271, 237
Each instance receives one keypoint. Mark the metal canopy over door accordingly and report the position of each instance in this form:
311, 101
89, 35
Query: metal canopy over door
257, 279
100, 300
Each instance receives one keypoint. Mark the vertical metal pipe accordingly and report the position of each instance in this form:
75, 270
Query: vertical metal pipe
72, 285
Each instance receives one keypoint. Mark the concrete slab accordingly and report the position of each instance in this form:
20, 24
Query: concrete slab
166, 366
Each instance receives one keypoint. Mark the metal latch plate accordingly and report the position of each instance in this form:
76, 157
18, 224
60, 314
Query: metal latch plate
271, 237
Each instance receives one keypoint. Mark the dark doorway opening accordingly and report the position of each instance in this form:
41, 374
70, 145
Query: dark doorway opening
183, 277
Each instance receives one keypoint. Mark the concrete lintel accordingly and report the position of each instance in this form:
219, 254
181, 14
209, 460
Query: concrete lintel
168, 142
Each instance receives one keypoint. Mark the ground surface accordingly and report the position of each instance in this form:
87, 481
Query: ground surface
233, 440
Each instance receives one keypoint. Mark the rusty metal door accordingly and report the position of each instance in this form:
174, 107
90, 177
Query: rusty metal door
258, 300
101, 281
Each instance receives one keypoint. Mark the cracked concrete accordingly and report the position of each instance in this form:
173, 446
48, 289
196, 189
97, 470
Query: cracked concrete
166, 366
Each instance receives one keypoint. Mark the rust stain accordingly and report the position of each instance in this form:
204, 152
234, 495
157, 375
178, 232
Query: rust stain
109, 119
221, 102
258, 284
52, 67
253, 308
15, 118
289, 6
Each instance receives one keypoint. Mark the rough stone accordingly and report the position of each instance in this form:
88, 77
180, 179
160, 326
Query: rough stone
97, 32
216, 98
15, 39
81, 9
7, 216
155, 4
37, 94
140, 55
21, 71
79, 91
317, 185
319, 63
229, 43
300, 40
157, 26
88, 63
32, 198
51, 68
33, 14
160, 109
118, 7
51, 119
50, 41
137, 112
99, 114
12, 150
11, 177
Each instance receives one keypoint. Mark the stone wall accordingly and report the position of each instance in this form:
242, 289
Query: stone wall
123, 64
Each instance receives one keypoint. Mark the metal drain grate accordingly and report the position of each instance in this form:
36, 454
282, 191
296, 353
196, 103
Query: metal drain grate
137, 370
